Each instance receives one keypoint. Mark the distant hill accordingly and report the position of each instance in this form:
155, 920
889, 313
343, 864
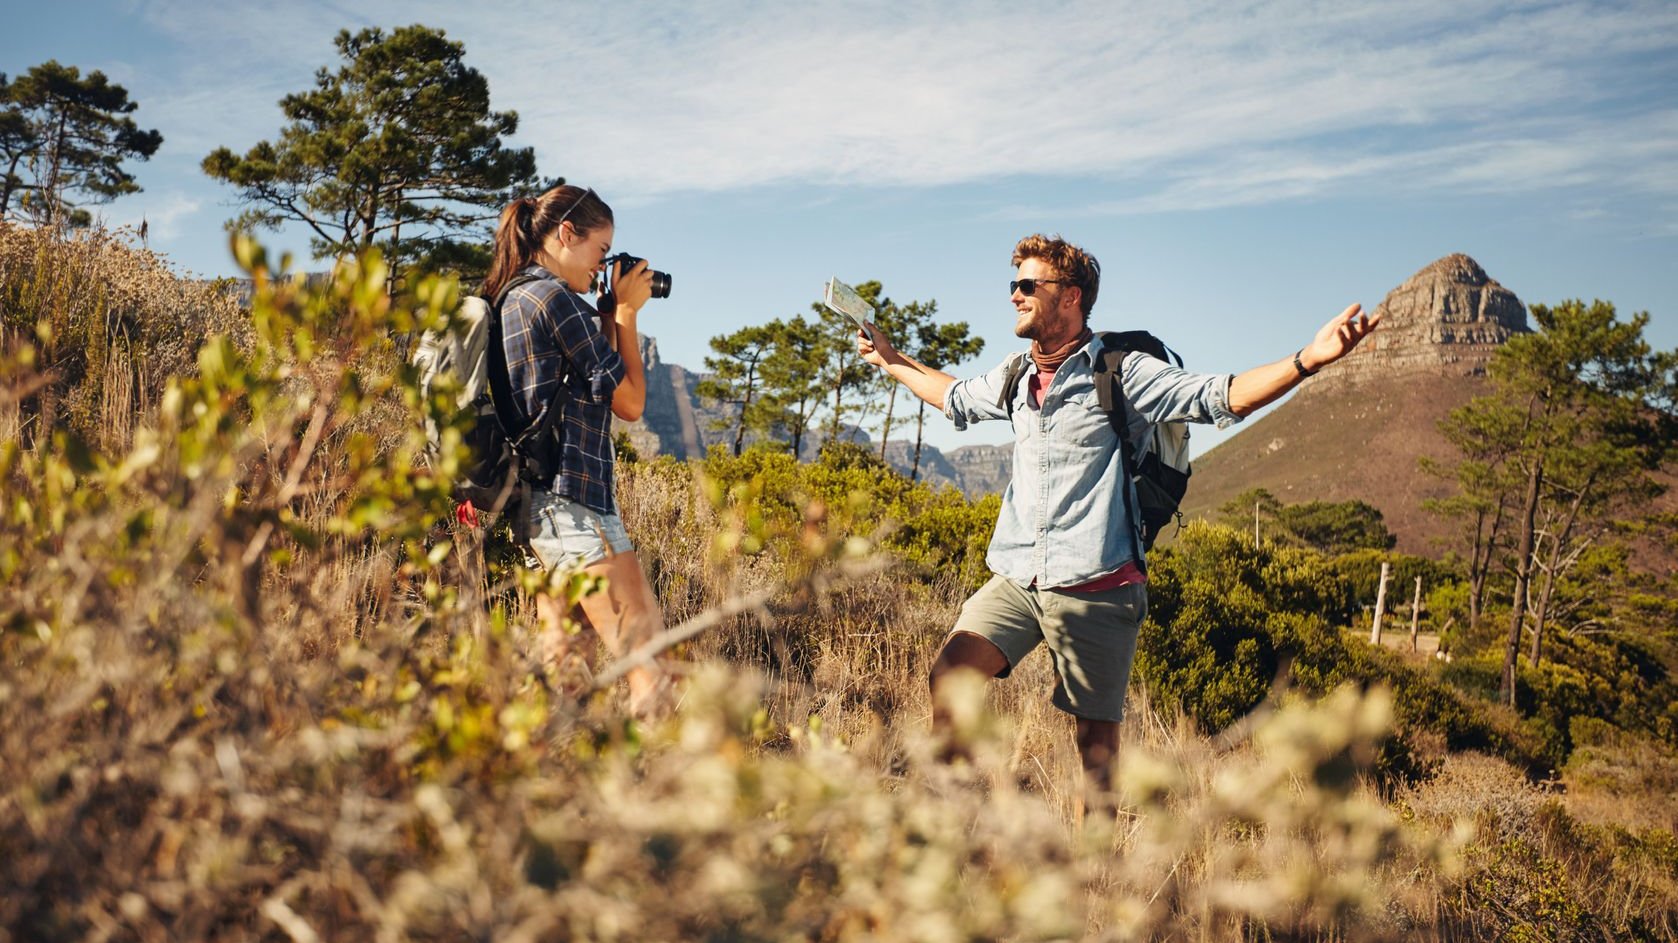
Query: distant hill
1357, 429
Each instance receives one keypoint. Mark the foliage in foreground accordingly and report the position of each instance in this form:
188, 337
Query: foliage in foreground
242, 700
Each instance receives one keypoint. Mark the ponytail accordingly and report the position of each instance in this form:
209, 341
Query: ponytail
527, 222
512, 250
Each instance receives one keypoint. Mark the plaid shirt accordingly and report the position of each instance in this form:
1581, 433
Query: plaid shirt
553, 337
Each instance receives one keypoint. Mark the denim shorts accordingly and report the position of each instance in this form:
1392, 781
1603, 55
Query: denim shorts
1091, 638
564, 533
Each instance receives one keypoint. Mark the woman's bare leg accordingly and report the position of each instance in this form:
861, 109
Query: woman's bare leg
625, 615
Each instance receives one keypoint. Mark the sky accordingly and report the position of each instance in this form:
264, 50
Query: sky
1242, 170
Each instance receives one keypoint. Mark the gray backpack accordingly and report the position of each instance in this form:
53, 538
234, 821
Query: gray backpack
504, 457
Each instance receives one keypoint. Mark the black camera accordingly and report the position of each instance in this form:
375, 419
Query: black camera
625, 261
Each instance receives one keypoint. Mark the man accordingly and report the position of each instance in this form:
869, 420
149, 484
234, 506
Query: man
1066, 558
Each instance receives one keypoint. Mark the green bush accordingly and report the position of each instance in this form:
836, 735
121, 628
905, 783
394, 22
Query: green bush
932, 530
243, 701
1225, 619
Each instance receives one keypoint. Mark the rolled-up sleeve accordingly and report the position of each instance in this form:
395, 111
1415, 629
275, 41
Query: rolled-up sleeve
1165, 393
974, 399
593, 359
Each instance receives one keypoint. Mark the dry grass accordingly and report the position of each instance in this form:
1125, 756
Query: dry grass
119, 323
363, 750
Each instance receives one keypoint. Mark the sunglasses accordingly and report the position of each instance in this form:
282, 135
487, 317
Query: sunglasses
1028, 286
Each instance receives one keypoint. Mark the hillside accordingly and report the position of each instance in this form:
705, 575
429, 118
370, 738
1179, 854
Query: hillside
237, 709
1358, 429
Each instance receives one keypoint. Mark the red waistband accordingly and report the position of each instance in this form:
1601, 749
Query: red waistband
1123, 576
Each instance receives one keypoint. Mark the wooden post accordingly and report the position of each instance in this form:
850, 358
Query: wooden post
1380, 606
1255, 525
1416, 615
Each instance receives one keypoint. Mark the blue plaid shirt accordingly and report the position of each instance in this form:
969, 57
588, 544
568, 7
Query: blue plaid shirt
552, 337
1063, 520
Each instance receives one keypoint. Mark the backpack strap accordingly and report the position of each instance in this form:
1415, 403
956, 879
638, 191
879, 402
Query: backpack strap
501, 381
1011, 383
1109, 392
1109, 387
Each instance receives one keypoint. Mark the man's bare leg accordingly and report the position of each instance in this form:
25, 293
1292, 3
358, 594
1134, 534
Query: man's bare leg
962, 651
1098, 747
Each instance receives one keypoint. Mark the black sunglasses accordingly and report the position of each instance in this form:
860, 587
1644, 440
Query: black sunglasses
1028, 286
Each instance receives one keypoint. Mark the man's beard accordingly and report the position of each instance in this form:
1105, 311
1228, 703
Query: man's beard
1031, 328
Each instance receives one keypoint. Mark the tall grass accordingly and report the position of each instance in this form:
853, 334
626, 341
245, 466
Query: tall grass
254, 688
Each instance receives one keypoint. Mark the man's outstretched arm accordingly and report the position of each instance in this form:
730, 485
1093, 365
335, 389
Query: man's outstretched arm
1261, 386
923, 381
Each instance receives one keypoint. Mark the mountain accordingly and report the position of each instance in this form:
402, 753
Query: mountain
1358, 428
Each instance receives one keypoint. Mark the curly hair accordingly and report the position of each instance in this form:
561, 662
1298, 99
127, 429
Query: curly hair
1069, 262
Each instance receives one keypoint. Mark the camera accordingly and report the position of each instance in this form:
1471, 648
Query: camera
625, 261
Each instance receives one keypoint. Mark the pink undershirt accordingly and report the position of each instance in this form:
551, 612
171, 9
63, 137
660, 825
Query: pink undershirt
1123, 576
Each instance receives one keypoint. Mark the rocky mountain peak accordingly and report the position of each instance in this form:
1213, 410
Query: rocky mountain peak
1457, 268
1445, 320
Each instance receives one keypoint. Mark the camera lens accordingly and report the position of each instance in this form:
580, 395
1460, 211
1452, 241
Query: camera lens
625, 262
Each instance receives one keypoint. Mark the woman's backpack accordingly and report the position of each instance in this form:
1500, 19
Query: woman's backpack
502, 461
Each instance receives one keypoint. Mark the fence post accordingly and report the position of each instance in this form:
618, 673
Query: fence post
1416, 615
1380, 605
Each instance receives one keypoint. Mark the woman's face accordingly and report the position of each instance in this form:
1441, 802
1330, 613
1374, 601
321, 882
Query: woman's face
575, 257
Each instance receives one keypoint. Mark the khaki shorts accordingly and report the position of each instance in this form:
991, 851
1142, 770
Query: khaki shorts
1091, 638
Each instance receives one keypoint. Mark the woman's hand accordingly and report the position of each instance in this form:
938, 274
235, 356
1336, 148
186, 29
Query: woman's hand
634, 287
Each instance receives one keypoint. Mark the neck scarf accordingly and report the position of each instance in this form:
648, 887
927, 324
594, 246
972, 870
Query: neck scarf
1048, 361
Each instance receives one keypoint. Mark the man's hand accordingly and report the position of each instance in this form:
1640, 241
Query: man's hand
1338, 337
923, 381
874, 347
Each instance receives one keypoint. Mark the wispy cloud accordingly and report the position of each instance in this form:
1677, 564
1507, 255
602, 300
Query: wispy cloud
1181, 105
162, 212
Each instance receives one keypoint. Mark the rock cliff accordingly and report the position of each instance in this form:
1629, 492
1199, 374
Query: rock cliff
1445, 320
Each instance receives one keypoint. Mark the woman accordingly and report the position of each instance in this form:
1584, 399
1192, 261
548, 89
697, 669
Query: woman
563, 354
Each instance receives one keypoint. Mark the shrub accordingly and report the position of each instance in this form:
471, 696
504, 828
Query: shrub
1225, 619
244, 700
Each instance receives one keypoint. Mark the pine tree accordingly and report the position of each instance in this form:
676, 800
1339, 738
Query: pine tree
397, 148
939, 346
63, 141
793, 376
1580, 416
736, 377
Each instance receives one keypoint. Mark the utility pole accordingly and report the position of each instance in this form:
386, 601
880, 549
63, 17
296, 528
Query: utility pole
1380, 605
1255, 525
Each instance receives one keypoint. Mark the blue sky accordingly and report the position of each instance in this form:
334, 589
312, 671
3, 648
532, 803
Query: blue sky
1242, 170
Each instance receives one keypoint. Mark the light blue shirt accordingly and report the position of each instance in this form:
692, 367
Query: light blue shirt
1063, 519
